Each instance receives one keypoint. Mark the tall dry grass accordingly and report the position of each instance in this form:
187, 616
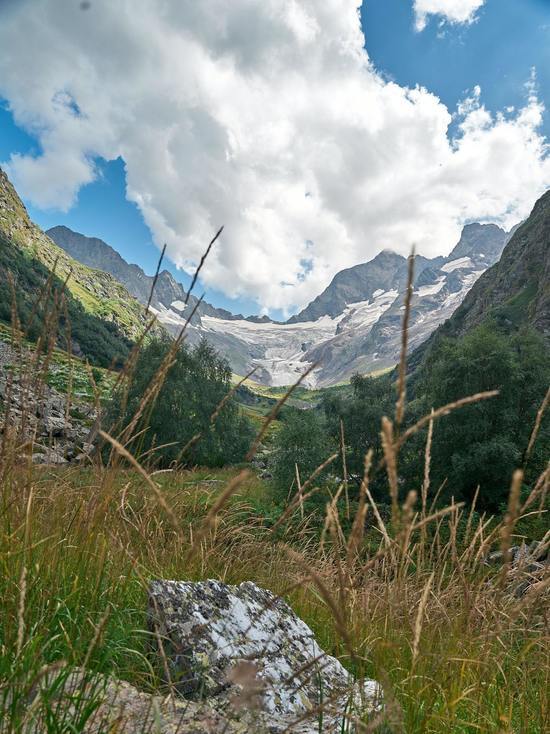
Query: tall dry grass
455, 649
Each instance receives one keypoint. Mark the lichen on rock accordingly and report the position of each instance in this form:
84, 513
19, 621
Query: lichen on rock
219, 639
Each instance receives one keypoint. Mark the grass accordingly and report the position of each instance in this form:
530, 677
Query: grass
86, 541
409, 602
69, 373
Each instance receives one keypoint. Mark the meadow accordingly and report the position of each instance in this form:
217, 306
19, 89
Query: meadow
402, 594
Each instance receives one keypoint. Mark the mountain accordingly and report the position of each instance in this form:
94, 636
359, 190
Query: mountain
386, 272
515, 290
104, 318
96, 253
353, 326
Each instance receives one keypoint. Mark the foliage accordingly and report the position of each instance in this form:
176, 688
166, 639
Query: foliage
301, 441
361, 415
479, 445
414, 607
102, 341
193, 388
482, 444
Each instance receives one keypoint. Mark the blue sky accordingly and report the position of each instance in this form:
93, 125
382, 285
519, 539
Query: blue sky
103, 211
498, 53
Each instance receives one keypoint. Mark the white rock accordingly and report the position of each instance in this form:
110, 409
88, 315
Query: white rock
211, 629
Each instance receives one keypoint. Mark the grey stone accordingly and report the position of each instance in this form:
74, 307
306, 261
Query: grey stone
103, 704
55, 426
48, 456
527, 566
210, 630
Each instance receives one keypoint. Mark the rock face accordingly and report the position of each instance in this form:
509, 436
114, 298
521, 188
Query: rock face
528, 566
224, 643
386, 272
40, 417
515, 290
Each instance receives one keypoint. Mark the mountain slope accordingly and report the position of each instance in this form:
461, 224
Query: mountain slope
386, 272
104, 318
516, 290
96, 253
353, 326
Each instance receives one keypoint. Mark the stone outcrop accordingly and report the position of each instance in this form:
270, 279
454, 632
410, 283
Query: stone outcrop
239, 662
228, 644
40, 418
106, 705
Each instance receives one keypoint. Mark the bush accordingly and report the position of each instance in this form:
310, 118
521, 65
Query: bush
194, 387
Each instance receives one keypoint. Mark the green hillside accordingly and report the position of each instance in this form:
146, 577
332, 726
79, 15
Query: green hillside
104, 318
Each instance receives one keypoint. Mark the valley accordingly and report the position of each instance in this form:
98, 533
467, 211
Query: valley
353, 326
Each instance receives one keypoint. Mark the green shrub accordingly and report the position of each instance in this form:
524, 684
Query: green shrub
302, 441
195, 385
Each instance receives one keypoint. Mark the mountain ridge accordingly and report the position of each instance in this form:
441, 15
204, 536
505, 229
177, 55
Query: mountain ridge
517, 288
96, 253
353, 325
106, 319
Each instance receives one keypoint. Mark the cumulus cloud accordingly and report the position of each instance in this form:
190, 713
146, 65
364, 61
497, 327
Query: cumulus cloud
451, 11
266, 117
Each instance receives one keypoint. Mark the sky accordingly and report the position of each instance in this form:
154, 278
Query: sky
318, 132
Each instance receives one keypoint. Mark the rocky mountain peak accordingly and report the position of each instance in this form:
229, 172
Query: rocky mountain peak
515, 290
485, 240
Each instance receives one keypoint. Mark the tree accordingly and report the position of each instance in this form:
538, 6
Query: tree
478, 445
193, 388
302, 440
361, 415
482, 444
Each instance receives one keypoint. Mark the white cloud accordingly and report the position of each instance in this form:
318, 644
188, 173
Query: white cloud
451, 11
266, 117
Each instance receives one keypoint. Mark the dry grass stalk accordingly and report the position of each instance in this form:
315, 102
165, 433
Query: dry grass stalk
120, 449
21, 611
420, 617
358, 527
302, 496
299, 486
402, 378
155, 279
322, 587
443, 411
344, 467
275, 412
222, 500
390, 457
536, 428
378, 517
427, 462
510, 520
201, 263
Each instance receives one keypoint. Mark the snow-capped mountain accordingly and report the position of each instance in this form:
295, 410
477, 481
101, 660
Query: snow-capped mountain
353, 326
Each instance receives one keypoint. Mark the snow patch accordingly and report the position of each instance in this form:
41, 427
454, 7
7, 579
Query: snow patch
431, 290
461, 262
